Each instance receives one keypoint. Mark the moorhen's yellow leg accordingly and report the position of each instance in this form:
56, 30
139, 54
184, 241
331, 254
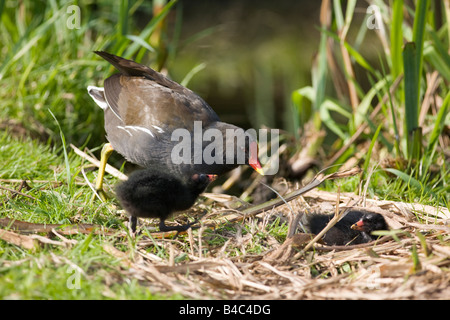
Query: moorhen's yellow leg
106, 152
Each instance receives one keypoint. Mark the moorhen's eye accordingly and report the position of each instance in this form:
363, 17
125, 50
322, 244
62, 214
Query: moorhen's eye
202, 178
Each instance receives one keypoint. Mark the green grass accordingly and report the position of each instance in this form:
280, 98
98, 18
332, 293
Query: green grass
16, 155
43, 274
50, 271
49, 274
47, 65
403, 142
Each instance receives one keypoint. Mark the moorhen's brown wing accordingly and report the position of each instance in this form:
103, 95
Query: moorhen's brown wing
143, 115
140, 102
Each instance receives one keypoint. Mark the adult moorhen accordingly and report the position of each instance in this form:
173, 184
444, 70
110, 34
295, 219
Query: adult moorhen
150, 193
354, 228
143, 109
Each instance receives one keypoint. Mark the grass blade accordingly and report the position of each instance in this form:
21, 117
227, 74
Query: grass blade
369, 152
437, 130
419, 34
122, 29
411, 96
438, 61
63, 140
192, 73
397, 39
406, 178
303, 111
327, 106
145, 34
320, 76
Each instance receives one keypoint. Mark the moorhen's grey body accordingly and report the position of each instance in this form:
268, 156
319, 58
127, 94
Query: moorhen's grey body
151, 193
142, 110
354, 228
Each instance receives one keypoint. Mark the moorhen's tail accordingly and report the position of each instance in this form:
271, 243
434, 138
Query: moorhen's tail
134, 69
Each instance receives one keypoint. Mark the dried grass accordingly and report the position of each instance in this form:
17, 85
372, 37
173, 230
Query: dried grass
383, 269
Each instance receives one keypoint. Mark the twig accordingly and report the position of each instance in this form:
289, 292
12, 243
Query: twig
18, 239
18, 192
287, 204
28, 227
318, 180
91, 185
57, 183
269, 205
354, 246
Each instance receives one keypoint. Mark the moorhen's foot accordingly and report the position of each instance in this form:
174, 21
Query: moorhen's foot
101, 194
178, 229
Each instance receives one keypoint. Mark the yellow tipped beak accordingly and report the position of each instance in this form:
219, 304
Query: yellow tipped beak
358, 226
253, 160
212, 177
258, 169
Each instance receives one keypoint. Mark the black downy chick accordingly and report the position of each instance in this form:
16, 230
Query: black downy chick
354, 228
153, 194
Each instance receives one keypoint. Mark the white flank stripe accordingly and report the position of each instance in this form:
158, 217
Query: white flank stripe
123, 128
160, 130
136, 128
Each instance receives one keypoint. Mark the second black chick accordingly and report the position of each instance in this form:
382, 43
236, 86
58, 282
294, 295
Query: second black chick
154, 194
354, 228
